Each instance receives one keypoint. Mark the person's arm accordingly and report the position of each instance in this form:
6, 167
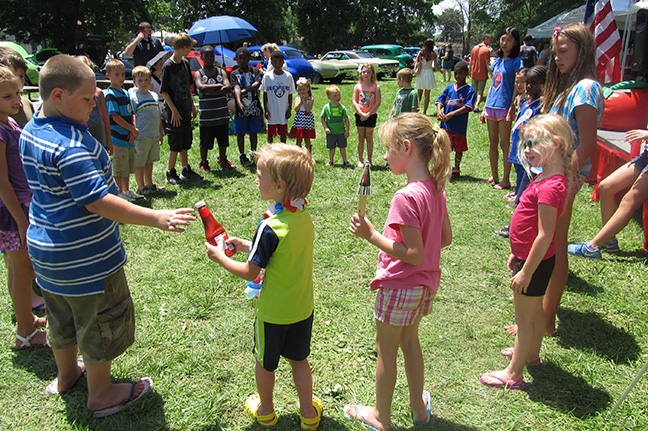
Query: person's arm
378, 102
547, 219
440, 115
347, 126
356, 100
265, 105
121, 211
586, 121
446, 232
130, 48
106, 121
288, 111
308, 104
325, 126
409, 251
9, 197
636, 135
298, 103
133, 133
245, 270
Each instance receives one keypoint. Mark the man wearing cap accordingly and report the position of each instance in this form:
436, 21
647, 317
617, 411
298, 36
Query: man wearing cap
143, 47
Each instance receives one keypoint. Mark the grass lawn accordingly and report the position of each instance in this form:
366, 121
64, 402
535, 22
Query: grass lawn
194, 323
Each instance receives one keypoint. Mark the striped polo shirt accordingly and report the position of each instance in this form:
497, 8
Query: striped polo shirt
118, 103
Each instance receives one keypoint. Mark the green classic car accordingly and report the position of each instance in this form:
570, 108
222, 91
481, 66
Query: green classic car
393, 52
31, 77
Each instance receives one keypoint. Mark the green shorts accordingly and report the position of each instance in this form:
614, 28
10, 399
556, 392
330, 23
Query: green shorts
103, 324
123, 161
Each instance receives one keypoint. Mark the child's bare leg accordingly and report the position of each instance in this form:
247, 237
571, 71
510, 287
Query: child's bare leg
102, 393
283, 138
304, 384
556, 287
184, 158
298, 142
615, 219
307, 141
458, 157
426, 103
22, 275
204, 152
139, 177
414, 368
493, 150
505, 143
148, 174
173, 158
68, 369
270, 137
332, 154
265, 381
369, 135
343, 153
361, 139
240, 141
253, 141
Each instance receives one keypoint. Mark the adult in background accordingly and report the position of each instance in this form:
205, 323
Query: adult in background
479, 68
528, 52
143, 47
448, 62
426, 62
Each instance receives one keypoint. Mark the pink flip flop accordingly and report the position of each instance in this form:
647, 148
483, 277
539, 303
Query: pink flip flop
511, 384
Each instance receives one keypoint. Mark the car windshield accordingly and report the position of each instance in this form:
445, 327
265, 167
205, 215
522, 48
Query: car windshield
402, 51
292, 53
362, 54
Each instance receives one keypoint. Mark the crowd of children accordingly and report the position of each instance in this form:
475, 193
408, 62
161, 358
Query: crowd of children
72, 227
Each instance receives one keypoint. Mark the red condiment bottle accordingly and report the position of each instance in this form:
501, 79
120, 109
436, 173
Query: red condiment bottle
214, 232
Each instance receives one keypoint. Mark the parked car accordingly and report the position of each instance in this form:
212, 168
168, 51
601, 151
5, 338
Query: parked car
393, 52
195, 62
297, 65
43, 55
384, 68
412, 50
31, 77
333, 70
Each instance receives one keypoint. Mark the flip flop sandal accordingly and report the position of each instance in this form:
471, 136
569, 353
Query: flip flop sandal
504, 384
312, 423
52, 388
252, 406
428, 403
359, 417
148, 386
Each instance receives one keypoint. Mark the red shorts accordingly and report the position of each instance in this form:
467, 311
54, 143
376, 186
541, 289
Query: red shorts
277, 129
458, 142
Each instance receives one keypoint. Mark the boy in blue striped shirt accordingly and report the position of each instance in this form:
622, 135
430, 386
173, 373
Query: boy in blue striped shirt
73, 238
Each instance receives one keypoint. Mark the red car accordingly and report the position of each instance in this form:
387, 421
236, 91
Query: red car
195, 62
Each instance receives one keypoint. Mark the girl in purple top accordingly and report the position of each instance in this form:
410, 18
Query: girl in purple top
15, 197
546, 143
408, 273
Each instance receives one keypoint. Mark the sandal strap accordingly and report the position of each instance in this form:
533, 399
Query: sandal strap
252, 406
313, 423
25, 341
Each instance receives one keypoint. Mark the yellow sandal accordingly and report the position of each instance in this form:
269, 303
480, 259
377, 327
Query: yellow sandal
313, 423
252, 406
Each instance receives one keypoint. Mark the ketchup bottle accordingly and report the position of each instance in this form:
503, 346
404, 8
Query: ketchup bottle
214, 232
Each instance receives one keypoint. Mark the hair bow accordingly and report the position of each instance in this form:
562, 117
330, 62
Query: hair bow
302, 80
436, 128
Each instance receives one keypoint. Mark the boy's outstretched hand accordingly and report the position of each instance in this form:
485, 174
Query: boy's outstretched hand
361, 227
171, 220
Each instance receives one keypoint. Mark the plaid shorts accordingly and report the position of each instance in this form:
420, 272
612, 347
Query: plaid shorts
401, 307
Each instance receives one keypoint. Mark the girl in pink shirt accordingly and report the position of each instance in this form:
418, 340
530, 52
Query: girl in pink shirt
408, 273
546, 143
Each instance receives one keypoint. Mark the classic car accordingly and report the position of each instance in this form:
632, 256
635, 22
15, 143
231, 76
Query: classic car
393, 52
31, 77
384, 68
297, 65
333, 70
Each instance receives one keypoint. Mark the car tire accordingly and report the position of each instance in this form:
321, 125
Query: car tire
337, 80
388, 75
317, 79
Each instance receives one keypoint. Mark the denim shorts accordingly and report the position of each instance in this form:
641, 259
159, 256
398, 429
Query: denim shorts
103, 324
641, 162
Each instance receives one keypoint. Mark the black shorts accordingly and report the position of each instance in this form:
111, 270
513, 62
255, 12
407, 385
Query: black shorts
369, 122
209, 133
540, 278
179, 137
290, 341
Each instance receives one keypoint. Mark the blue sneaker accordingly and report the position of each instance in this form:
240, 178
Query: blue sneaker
583, 249
612, 246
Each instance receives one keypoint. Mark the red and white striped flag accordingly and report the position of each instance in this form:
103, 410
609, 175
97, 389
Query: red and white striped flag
600, 19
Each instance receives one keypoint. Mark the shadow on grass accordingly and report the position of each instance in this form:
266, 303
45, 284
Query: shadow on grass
36, 360
565, 392
635, 256
466, 179
578, 285
590, 332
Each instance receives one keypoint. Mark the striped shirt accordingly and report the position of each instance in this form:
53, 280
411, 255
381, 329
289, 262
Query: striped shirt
147, 113
72, 249
118, 103
585, 92
212, 108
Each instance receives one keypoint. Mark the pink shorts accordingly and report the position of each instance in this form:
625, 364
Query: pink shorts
401, 307
495, 114
277, 129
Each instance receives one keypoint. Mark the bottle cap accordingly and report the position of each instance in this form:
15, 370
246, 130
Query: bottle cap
200, 204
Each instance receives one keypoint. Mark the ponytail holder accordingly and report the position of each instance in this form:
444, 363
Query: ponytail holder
436, 128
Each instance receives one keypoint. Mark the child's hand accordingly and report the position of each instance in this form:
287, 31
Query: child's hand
361, 227
135, 133
170, 220
510, 116
346, 133
327, 131
267, 114
131, 138
216, 252
482, 118
520, 282
176, 118
288, 114
510, 263
239, 244
109, 148
636, 135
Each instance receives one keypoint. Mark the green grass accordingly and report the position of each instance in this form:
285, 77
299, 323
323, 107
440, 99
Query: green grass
194, 324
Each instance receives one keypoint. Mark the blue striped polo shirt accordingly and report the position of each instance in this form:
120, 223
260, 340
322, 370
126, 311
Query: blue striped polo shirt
72, 249
118, 103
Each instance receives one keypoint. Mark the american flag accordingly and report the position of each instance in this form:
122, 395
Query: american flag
600, 19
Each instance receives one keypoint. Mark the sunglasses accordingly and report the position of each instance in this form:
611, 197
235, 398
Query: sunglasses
529, 144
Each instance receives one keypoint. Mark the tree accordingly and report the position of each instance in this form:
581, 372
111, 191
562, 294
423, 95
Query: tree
451, 23
65, 24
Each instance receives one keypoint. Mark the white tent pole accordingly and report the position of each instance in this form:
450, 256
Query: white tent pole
636, 379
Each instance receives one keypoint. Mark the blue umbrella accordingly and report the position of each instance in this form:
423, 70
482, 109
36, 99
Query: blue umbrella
220, 29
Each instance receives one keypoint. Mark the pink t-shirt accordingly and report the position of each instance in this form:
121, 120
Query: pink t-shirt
524, 223
416, 205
